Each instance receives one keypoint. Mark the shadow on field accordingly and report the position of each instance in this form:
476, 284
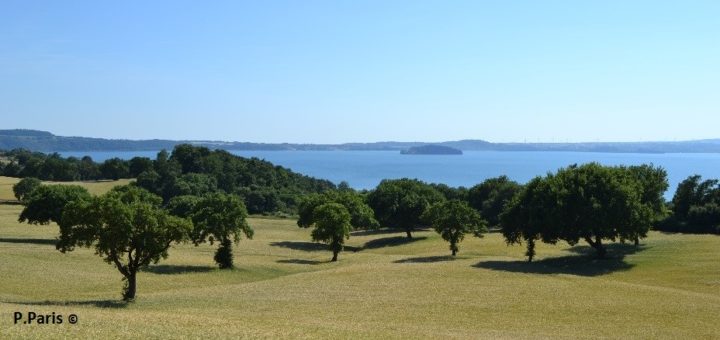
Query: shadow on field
426, 259
28, 240
585, 264
301, 261
96, 303
376, 232
9, 202
173, 269
308, 246
391, 241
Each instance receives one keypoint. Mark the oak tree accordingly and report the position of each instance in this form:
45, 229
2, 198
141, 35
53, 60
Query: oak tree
127, 227
332, 226
453, 219
220, 217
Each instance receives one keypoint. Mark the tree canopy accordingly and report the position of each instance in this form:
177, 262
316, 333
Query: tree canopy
453, 219
589, 202
220, 217
400, 203
45, 203
189, 170
115, 168
332, 226
361, 215
491, 196
27, 185
264, 187
126, 226
695, 207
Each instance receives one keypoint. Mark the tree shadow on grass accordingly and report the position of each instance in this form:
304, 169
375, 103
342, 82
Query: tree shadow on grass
426, 259
28, 240
309, 246
8, 202
371, 232
301, 261
96, 303
584, 264
391, 241
166, 269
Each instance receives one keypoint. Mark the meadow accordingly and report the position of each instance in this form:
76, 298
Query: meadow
383, 286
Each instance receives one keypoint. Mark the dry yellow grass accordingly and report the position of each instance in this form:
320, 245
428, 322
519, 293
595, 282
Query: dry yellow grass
382, 287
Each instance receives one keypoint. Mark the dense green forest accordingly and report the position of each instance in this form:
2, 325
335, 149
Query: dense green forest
188, 170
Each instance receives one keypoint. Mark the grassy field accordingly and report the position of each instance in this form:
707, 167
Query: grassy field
382, 287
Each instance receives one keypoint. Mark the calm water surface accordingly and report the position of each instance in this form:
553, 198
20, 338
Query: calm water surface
365, 169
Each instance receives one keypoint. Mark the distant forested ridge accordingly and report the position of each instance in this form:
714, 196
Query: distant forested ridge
47, 142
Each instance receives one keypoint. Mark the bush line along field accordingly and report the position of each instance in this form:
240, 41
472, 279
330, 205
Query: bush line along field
385, 285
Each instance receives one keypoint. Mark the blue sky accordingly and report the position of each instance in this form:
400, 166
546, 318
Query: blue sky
357, 71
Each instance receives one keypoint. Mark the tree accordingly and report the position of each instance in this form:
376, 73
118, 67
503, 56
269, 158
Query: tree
259, 200
693, 192
491, 196
653, 184
332, 226
56, 168
182, 206
220, 217
45, 204
12, 169
589, 202
695, 207
26, 186
149, 180
139, 165
114, 168
529, 216
127, 227
87, 169
450, 193
400, 203
192, 184
453, 219
361, 215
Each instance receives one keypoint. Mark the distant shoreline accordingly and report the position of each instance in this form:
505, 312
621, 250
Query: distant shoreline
47, 142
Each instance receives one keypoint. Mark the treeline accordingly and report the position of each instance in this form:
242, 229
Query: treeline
188, 170
589, 203
53, 167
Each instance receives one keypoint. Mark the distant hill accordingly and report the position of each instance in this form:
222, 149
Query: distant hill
431, 150
47, 142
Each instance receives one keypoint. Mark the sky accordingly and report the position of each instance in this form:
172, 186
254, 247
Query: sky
362, 71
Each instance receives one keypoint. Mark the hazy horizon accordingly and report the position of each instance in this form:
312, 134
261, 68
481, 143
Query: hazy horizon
331, 72
368, 142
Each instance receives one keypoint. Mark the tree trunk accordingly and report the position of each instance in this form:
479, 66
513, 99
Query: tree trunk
224, 255
454, 252
335, 255
131, 287
597, 244
637, 241
409, 235
530, 253
600, 249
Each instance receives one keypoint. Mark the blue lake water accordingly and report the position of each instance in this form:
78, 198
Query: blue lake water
365, 169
